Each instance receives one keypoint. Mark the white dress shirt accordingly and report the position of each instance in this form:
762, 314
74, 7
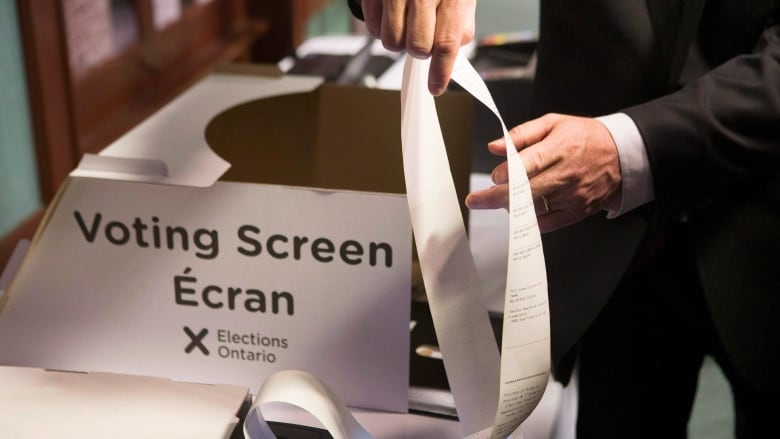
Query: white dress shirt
637, 178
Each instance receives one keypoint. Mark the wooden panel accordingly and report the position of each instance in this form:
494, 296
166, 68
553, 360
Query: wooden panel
288, 20
48, 85
120, 93
72, 117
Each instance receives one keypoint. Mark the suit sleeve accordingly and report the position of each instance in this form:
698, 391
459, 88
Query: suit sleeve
717, 132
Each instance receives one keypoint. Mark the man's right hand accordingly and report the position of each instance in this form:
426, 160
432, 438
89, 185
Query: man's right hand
424, 28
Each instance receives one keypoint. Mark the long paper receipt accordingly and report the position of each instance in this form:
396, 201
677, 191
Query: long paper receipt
493, 393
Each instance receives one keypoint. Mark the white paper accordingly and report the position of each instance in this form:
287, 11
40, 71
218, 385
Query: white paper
306, 391
458, 308
457, 304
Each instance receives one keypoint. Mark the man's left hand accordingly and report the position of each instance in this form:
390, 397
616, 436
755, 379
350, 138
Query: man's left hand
572, 164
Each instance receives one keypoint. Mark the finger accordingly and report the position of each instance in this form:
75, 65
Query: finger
500, 174
494, 197
393, 32
421, 19
451, 30
538, 158
525, 134
372, 13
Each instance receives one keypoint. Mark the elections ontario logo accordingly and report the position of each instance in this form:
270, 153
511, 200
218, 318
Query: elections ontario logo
232, 345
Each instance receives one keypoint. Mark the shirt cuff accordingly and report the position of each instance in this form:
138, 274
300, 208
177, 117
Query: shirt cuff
637, 178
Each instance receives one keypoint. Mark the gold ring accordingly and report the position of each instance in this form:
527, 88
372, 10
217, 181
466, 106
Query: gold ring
547, 206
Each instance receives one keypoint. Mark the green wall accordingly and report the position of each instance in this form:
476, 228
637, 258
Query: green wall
507, 16
19, 192
334, 19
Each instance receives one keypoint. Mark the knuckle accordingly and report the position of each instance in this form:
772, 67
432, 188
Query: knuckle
535, 158
446, 44
548, 121
391, 42
393, 36
516, 130
418, 48
588, 203
575, 175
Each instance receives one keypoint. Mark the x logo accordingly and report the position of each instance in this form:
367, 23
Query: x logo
196, 340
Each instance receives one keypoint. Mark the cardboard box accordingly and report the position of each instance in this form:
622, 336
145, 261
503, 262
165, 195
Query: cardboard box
279, 130
334, 137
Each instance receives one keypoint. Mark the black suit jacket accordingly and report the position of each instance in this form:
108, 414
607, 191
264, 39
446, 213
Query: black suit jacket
713, 146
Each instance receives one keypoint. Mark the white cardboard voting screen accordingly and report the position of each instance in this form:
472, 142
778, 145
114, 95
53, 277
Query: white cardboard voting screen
226, 284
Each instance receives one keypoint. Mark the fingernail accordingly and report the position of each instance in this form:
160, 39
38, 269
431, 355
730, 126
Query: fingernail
471, 203
437, 88
497, 142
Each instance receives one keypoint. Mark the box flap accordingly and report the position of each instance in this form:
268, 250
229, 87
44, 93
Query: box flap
174, 135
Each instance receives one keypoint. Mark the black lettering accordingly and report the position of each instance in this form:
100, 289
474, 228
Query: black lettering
255, 301
351, 248
242, 235
179, 290
374, 248
320, 246
207, 291
272, 250
140, 227
277, 296
298, 242
90, 234
124, 233
232, 293
170, 234
156, 232
210, 246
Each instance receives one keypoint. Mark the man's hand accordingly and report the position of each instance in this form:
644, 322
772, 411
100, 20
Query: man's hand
571, 161
424, 28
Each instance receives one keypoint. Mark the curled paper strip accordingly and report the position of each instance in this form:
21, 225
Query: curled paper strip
309, 393
493, 393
